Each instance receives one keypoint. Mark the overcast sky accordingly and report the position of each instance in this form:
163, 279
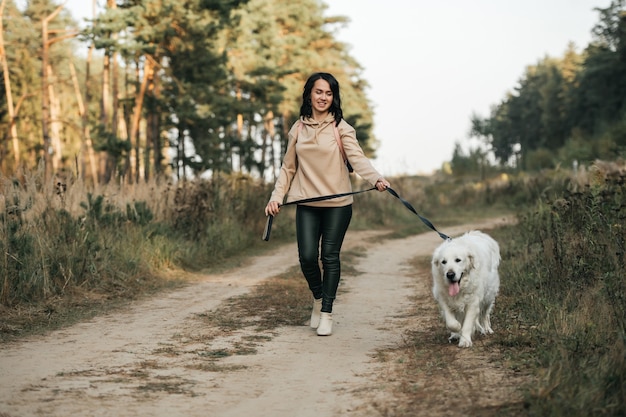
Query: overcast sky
431, 64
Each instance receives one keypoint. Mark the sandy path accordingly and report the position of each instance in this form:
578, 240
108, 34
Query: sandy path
145, 361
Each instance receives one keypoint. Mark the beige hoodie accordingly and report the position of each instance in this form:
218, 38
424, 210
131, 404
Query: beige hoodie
313, 166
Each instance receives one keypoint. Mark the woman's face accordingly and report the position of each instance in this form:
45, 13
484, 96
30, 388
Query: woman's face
321, 96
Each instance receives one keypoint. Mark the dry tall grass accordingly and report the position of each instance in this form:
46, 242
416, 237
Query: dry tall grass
65, 244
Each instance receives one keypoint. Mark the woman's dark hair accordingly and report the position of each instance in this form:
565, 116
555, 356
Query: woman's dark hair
306, 110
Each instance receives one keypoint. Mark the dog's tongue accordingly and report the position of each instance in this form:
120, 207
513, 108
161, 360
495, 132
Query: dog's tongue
453, 289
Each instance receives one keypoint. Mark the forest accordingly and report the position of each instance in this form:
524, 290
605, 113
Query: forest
176, 88
199, 87
564, 110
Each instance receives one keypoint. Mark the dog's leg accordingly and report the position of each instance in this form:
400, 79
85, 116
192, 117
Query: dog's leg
471, 314
451, 322
487, 320
488, 329
479, 325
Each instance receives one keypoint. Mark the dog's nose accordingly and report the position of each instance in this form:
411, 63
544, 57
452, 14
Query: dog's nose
450, 275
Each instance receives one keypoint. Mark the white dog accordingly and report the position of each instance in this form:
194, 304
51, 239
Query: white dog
465, 283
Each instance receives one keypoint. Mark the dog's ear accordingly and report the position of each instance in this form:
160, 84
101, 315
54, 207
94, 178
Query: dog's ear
436, 257
473, 263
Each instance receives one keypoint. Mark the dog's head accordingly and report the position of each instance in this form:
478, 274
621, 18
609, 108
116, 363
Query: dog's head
453, 263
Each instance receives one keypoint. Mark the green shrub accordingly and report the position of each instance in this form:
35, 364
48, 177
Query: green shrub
566, 264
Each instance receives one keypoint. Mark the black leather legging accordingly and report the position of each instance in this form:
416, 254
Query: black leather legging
330, 225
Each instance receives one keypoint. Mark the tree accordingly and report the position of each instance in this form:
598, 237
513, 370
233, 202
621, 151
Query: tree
49, 36
163, 39
274, 47
220, 82
560, 104
8, 93
600, 100
25, 51
534, 115
473, 163
20, 45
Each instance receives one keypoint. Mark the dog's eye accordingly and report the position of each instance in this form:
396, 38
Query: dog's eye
457, 260
444, 262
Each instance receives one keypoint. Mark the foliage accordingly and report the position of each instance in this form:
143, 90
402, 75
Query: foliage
564, 306
183, 88
475, 162
561, 105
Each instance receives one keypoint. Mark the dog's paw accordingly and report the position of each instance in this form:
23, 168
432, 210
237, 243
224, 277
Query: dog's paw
484, 330
465, 342
454, 337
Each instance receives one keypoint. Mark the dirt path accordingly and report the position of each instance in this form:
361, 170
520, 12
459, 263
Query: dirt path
144, 361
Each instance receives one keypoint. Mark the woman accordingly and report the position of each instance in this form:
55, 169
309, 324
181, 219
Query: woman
313, 166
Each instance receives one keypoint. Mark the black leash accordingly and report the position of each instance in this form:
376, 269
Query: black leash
424, 220
327, 197
270, 218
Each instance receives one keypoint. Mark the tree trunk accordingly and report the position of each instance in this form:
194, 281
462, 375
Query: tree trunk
45, 98
7, 87
87, 154
151, 133
136, 119
153, 139
55, 125
115, 93
115, 129
106, 92
180, 157
268, 136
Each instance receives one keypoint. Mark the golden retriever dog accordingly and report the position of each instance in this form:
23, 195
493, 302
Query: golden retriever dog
465, 284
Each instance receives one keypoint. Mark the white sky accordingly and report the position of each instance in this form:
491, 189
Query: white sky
431, 64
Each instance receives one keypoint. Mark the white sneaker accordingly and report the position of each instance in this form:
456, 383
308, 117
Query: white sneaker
315, 313
326, 324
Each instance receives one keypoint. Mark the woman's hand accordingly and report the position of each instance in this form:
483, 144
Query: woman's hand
382, 184
272, 208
